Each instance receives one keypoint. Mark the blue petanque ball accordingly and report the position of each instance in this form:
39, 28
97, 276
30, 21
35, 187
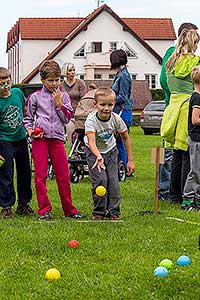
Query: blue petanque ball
161, 272
183, 261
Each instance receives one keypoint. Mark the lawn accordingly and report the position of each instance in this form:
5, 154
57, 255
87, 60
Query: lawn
114, 260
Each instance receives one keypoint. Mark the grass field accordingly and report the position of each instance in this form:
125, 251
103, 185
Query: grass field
114, 260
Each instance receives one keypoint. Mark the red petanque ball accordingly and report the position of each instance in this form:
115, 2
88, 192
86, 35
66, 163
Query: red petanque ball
73, 244
37, 131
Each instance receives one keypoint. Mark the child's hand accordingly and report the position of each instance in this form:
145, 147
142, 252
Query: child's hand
57, 97
99, 163
130, 167
37, 137
31, 134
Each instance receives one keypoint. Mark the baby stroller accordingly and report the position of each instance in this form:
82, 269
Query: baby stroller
77, 159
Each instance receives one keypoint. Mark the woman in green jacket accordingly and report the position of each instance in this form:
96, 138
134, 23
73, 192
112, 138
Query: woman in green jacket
174, 128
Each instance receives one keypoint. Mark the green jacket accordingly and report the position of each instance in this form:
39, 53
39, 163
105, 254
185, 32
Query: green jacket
174, 127
163, 76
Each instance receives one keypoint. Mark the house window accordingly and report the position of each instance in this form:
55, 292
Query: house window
98, 76
130, 52
111, 76
96, 47
134, 76
80, 52
151, 79
82, 76
112, 46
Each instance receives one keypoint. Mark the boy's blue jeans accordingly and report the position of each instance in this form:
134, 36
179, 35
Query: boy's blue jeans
164, 176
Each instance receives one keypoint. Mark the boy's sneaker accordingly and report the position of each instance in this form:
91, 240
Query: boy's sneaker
45, 216
6, 213
24, 210
188, 205
197, 205
97, 218
76, 216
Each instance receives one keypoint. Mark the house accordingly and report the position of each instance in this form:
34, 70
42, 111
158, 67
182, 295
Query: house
87, 42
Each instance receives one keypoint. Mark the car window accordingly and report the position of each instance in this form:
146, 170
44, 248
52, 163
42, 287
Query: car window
156, 107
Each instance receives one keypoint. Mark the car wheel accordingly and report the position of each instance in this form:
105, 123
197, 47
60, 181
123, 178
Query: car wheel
148, 132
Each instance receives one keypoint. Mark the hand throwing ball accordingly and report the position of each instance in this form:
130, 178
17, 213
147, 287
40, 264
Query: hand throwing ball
73, 244
52, 274
166, 263
183, 261
100, 191
160, 272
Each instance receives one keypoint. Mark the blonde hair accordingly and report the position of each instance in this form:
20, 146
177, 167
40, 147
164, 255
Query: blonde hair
66, 67
4, 73
195, 75
103, 91
187, 44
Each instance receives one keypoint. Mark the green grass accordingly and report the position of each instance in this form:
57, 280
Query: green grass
114, 260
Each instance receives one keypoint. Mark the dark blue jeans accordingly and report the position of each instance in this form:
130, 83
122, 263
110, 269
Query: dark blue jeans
126, 116
18, 152
164, 176
179, 170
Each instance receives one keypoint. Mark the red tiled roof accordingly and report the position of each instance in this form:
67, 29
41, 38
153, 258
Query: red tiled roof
47, 28
152, 28
59, 28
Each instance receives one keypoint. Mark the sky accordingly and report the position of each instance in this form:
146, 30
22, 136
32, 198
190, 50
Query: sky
179, 10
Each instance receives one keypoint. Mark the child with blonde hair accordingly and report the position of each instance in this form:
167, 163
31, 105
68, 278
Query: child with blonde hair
102, 153
191, 193
50, 109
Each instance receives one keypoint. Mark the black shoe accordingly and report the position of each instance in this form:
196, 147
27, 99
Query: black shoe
45, 216
6, 213
76, 216
24, 210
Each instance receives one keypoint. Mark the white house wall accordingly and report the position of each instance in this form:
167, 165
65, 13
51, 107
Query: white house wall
33, 52
160, 46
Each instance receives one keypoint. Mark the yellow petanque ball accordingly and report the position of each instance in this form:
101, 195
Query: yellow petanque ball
100, 191
52, 274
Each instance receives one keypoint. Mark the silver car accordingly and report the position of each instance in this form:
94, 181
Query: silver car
151, 117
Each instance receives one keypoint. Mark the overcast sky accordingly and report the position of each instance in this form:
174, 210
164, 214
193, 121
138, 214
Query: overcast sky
11, 10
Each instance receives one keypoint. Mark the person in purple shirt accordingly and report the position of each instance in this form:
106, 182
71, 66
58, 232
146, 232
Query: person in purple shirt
50, 109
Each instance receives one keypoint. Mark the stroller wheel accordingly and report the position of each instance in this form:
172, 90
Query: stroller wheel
74, 175
50, 172
121, 171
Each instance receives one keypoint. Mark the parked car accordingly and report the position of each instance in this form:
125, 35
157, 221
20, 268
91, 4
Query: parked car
151, 117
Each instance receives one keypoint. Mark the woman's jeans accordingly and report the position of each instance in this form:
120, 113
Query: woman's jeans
127, 117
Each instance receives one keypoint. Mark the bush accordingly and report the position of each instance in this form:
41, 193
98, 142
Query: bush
157, 94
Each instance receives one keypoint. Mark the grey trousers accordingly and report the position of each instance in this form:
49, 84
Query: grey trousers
192, 185
110, 203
